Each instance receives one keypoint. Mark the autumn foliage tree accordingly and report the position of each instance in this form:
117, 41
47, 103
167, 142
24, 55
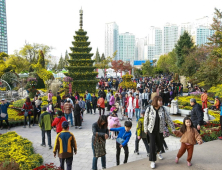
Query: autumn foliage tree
117, 66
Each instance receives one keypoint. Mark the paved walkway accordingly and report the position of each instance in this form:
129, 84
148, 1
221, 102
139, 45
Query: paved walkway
83, 159
205, 157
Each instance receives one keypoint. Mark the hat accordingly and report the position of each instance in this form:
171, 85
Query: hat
193, 100
216, 97
68, 100
3, 99
65, 124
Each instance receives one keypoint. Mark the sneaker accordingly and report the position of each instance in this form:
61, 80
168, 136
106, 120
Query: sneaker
42, 145
50, 147
138, 153
167, 148
220, 138
8, 127
152, 165
76, 127
33, 125
1, 128
94, 113
148, 154
72, 125
160, 156
112, 138
24, 126
189, 164
80, 127
177, 160
29, 126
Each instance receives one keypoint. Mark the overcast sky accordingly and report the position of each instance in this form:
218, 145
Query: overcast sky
54, 22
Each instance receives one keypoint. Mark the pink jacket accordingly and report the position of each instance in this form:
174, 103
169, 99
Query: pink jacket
113, 122
112, 108
50, 96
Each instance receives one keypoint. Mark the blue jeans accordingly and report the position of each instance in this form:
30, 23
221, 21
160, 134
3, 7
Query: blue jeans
67, 116
94, 162
137, 114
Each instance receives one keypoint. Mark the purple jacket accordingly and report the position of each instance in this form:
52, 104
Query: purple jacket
112, 100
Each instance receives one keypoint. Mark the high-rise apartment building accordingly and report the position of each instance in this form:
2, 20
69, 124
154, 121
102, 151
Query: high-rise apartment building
170, 37
3, 27
202, 34
111, 39
154, 43
140, 44
126, 47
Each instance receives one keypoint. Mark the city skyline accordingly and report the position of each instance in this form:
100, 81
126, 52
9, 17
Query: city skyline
56, 29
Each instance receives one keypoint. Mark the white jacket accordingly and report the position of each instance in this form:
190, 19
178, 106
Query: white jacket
150, 117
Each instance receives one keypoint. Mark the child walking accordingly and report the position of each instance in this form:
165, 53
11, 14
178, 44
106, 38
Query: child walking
122, 140
189, 136
113, 122
141, 135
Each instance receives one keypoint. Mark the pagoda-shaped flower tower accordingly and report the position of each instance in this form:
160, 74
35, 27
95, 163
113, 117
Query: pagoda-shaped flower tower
81, 65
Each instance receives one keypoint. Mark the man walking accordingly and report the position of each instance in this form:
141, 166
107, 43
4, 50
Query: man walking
196, 114
65, 144
45, 122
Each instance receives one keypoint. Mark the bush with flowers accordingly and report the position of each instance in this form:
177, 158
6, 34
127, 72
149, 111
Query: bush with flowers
13, 146
127, 82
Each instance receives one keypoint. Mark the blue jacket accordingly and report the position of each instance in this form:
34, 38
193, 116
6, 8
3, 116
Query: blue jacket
123, 134
3, 109
88, 97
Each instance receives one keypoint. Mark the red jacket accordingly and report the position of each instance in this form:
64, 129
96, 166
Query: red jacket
58, 123
27, 106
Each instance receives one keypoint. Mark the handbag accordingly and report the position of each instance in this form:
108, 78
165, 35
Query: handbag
99, 146
3, 115
120, 140
166, 132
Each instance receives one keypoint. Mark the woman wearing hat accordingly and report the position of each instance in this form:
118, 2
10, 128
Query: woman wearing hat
3, 112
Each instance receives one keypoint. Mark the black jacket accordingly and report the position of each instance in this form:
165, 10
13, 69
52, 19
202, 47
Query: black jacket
101, 132
197, 115
103, 94
77, 110
94, 100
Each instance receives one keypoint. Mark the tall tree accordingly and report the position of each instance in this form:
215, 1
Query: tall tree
97, 57
21, 64
183, 46
66, 62
210, 71
102, 57
31, 51
216, 38
61, 63
147, 68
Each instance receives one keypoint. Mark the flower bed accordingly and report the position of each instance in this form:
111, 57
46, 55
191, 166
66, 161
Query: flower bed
210, 131
184, 101
13, 146
50, 166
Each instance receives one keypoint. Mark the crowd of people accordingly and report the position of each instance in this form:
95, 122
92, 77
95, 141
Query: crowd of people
145, 104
